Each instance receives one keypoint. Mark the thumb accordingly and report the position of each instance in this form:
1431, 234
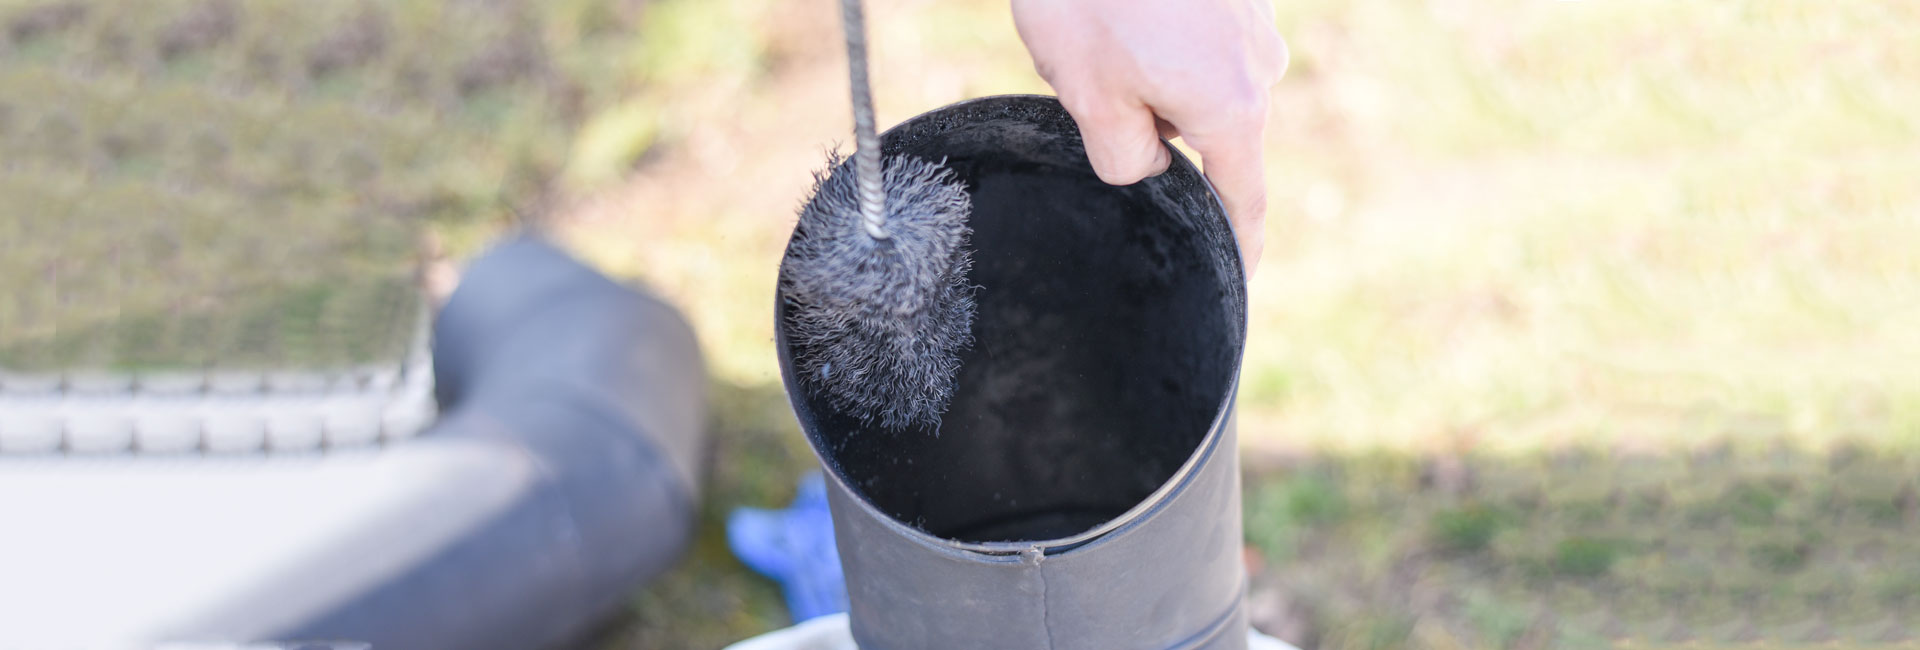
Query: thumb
1123, 142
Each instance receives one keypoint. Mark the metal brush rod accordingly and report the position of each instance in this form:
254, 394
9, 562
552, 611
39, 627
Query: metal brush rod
866, 155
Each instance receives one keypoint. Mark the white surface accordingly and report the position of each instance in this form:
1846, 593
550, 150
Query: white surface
351, 421
26, 384
318, 416
91, 432
120, 551
831, 633
233, 429
296, 427
219, 411
168, 431
32, 430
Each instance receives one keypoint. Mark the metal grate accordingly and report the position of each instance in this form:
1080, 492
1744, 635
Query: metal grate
213, 214
225, 412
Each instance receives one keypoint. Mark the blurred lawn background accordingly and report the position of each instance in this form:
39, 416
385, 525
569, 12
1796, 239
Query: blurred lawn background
1494, 225
1574, 315
1581, 323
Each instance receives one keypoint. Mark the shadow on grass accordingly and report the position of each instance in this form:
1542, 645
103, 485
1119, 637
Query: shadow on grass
1727, 547
1382, 550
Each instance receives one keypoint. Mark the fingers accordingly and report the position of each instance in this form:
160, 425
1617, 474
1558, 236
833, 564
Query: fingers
1264, 10
1275, 57
1167, 130
1123, 140
1228, 131
1236, 165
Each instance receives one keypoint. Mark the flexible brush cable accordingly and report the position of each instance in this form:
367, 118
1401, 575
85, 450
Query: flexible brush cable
866, 156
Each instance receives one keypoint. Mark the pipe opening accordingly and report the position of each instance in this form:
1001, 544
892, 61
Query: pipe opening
1109, 328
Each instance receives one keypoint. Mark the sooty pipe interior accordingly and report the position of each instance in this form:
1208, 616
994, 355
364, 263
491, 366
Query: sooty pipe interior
1104, 342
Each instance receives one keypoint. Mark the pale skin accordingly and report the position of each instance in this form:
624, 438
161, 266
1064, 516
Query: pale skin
1134, 71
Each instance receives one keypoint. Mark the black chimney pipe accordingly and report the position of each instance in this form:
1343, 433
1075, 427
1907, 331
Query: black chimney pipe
1083, 491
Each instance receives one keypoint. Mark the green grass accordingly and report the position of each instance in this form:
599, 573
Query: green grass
1496, 569
1643, 269
1466, 529
1520, 225
194, 182
1629, 223
1716, 549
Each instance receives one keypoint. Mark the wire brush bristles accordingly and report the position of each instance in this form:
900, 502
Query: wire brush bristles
878, 324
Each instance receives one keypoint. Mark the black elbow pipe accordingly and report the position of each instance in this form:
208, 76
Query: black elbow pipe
602, 390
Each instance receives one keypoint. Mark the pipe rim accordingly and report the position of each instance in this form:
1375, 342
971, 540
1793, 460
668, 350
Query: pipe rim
1141, 511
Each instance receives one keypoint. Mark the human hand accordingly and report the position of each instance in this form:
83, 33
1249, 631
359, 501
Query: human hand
1133, 71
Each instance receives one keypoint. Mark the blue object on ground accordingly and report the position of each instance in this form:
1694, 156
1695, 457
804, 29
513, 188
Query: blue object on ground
795, 548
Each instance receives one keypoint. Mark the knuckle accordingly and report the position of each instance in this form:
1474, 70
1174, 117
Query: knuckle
1090, 111
1045, 69
1244, 102
1116, 178
1248, 207
1121, 152
1281, 57
1122, 169
1256, 212
1139, 156
1255, 196
1233, 104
